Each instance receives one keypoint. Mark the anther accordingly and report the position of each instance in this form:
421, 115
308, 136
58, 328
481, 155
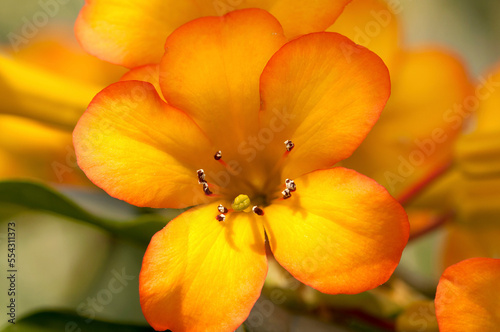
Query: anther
222, 209
206, 189
201, 176
289, 145
290, 185
258, 211
286, 193
220, 217
218, 155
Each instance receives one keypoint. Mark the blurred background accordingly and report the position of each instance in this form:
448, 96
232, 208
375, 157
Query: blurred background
79, 251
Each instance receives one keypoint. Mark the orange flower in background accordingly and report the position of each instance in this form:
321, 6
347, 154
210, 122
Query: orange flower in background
413, 141
114, 31
233, 91
44, 91
467, 298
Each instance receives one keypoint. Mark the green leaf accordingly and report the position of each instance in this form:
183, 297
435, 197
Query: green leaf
38, 197
49, 321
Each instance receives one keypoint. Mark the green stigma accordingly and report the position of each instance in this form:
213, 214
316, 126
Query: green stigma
241, 203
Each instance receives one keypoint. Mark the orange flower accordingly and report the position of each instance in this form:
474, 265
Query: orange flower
413, 141
233, 91
467, 297
114, 31
43, 92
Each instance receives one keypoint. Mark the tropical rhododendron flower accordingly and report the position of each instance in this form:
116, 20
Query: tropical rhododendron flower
247, 127
467, 297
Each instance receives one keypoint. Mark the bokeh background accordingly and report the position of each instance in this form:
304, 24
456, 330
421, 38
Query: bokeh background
78, 251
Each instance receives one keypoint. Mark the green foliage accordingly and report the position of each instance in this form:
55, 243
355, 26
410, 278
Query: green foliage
24, 195
49, 321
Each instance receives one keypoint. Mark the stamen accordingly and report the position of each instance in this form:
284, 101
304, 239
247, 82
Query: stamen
258, 211
206, 186
218, 155
201, 176
222, 209
277, 166
290, 185
286, 193
220, 217
206, 189
289, 145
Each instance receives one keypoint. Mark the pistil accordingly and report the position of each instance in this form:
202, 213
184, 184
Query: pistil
241, 203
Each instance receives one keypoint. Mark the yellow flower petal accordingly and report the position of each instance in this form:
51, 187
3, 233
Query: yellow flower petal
340, 232
199, 274
211, 70
30, 150
324, 93
139, 149
38, 94
55, 49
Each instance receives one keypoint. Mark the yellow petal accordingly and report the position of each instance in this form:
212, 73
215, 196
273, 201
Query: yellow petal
38, 94
324, 93
139, 149
211, 70
340, 232
55, 49
199, 274
29, 150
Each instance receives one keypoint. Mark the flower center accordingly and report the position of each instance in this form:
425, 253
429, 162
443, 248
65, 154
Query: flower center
242, 202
